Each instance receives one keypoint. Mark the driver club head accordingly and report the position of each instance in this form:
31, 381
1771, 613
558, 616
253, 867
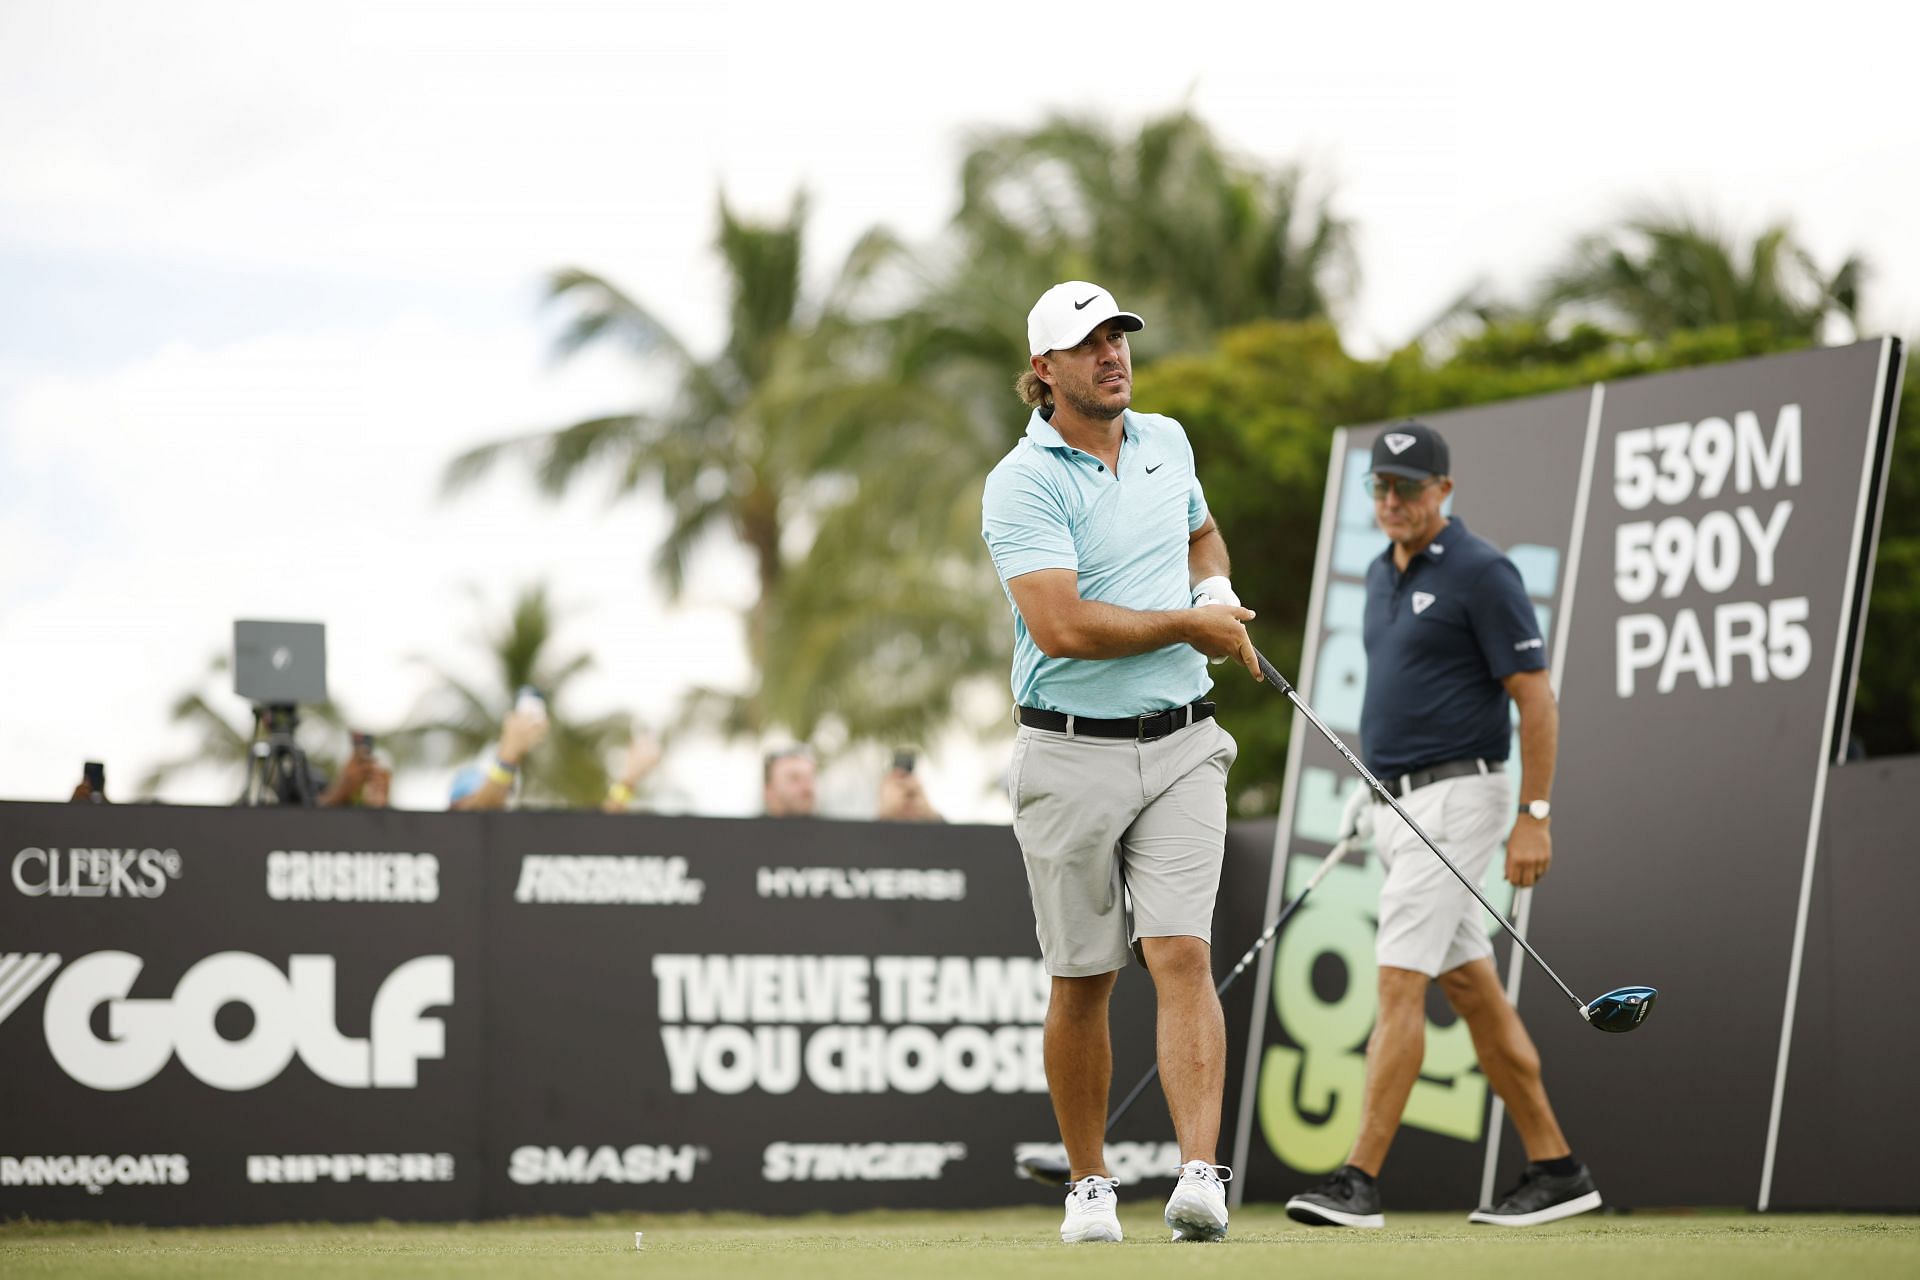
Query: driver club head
1621, 1010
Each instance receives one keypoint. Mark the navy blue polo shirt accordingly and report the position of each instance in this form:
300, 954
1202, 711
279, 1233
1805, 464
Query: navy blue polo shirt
1440, 638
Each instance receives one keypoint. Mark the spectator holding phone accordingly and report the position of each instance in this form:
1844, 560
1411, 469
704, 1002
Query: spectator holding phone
902, 798
363, 781
92, 788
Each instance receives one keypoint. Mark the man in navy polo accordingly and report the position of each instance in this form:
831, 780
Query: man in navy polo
1452, 644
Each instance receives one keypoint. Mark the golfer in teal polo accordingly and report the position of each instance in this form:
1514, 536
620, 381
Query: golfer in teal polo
1118, 580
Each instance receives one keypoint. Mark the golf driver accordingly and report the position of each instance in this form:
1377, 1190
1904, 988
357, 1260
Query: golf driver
1054, 1170
1620, 1010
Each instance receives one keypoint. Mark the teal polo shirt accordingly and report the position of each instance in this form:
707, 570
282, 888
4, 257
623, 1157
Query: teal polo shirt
1048, 505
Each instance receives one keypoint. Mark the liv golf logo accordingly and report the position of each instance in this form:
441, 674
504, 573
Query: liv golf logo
293, 1014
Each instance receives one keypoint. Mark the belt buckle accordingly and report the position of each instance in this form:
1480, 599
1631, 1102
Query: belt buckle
1173, 723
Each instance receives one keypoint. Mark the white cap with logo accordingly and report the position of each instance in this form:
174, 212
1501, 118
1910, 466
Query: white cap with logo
1070, 311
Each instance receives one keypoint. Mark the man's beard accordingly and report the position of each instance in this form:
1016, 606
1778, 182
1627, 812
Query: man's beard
1088, 407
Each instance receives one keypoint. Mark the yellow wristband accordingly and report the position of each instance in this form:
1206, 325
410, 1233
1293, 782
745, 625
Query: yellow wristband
619, 793
503, 776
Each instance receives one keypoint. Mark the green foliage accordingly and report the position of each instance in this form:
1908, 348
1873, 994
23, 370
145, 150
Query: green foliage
1886, 717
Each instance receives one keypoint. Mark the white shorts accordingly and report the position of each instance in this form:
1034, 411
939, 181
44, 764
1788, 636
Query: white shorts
1429, 922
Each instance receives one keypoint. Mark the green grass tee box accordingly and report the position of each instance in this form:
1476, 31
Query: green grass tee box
1000, 1243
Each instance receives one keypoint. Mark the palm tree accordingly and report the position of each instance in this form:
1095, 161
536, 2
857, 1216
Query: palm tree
762, 442
1202, 240
1663, 271
461, 718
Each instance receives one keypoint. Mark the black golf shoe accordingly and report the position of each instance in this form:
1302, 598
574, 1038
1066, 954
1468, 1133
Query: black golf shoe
1344, 1198
1540, 1197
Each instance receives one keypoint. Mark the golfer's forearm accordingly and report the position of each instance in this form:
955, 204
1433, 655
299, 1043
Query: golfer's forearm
1207, 558
1092, 629
1539, 745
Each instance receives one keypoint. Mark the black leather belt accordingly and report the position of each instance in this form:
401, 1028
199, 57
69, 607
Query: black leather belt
1410, 782
1156, 724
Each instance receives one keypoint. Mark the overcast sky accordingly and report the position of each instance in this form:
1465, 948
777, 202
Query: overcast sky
266, 266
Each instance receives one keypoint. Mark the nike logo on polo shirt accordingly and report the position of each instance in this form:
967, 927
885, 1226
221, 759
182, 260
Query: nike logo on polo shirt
1155, 467
1078, 305
1421, 601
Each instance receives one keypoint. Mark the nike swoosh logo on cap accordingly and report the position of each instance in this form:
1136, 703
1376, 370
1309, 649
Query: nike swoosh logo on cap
1078, 305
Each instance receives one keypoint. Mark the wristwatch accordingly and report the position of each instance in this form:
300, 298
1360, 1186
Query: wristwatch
1538, 810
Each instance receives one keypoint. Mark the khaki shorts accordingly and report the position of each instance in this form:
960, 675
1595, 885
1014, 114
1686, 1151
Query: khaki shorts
1429, 923
1100, 820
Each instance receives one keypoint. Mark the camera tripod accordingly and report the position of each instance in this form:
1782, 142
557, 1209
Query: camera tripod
277, 769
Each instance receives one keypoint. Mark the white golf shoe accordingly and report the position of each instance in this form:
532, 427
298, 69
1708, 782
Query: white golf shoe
1090, 1212
1197, 1210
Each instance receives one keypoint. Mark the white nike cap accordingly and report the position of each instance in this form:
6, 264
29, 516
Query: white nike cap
1070, 311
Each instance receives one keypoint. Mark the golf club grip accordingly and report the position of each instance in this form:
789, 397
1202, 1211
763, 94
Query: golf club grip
1279, 682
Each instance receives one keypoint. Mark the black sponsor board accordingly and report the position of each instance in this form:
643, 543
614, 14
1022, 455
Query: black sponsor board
1714, 535
1701, 696
282, 1008
435, 1016
782, 1015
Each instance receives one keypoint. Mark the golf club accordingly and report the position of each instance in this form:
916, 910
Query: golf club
1054, 1170
1620, 1010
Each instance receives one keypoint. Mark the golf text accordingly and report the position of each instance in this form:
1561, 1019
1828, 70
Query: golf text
602, 878
412, 1166
883, 883
352, 877
93, 1172
852, 1024
292, 1013
1709, 460
858, 1161
584, 1166
95, 873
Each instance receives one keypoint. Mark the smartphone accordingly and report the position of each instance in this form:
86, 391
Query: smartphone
96, 775
530, 702
903, 760
363, 744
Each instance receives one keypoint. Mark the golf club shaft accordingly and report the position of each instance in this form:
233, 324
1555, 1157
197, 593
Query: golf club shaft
1279, 682
1259, 944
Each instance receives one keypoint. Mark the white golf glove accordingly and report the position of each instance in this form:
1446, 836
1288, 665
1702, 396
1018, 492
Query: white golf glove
1214, 590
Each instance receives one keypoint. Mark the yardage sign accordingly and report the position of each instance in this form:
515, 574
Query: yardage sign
1698, 544
1702, 697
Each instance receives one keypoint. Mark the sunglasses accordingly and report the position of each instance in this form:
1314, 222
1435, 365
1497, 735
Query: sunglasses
1381, 486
